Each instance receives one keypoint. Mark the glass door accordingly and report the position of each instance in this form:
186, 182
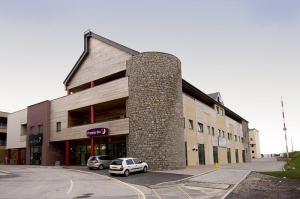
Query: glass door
35, 155
201, 154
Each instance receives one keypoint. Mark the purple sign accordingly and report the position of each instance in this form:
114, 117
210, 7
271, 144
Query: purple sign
97, 132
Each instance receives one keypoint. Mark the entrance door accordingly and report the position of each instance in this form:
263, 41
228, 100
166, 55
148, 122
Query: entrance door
201, 154
215, 154
228, 156
244, 155
35, 155
237, 156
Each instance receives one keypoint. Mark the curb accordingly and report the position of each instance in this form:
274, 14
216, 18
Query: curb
140, 194
239, 182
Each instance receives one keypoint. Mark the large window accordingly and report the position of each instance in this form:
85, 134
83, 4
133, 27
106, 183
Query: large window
213, 131
208, 129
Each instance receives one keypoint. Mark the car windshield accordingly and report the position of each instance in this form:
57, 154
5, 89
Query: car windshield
117, 162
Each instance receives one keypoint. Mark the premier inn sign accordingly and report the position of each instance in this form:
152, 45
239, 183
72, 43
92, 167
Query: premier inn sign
97, 132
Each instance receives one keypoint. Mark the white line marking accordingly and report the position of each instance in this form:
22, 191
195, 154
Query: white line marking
184, 192
231, 190
156, 194
71, 187
140, 194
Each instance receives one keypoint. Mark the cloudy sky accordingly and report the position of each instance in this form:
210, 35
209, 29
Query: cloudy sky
247, 50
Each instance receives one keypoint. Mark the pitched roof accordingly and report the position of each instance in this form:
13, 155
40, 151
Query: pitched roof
88, 35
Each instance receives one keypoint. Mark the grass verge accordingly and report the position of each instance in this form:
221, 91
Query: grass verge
292, 171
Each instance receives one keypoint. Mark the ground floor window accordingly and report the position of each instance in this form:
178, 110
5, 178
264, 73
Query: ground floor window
215, 154
80, 153
35, 155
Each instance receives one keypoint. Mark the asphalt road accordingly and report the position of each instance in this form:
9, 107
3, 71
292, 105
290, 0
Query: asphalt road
144, 179
43, 182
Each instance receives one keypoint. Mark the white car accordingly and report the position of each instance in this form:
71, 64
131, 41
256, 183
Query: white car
125, 166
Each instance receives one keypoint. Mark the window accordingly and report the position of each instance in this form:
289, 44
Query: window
200, 127
137, 161
32, 130
223, 134
235, 137
58, 126
251, 139
40, 129
23, 129
228, 134
213, 131
218, 110
252, 151
239, 138
222, 113
191, 125
208, 128
129, 162
219, 132
184, 122
242, 140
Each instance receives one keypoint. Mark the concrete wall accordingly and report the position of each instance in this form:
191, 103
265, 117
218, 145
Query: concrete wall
102, 60
254, 135
154, 109
14, 137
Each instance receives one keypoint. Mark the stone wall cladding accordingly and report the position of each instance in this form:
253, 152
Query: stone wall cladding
155, 110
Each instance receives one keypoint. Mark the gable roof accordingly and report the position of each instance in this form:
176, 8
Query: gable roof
88, 35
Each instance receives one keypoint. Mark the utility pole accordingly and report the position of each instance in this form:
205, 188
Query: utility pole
292, 145
284, 129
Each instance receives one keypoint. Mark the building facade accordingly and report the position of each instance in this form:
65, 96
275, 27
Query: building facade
3, 136
121, 102
254, 143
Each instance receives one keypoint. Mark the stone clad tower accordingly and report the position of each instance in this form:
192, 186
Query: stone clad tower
155, 110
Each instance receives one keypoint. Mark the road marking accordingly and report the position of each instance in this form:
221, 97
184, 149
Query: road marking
140, 194
231, 190
156, 194
71, 187
184, 192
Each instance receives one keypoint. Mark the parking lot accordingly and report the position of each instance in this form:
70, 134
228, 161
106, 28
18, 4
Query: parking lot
144, 179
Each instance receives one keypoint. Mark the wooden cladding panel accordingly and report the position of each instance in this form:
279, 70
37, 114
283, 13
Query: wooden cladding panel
103, 60
116, 127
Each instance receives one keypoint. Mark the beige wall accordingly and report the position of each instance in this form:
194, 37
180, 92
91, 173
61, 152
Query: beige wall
102, 60
254, 135
106, 92
14, 137
200, 112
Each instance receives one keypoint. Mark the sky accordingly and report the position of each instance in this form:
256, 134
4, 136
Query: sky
247, 50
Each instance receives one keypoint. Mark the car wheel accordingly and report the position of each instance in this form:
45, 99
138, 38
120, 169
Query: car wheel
145, 170
90, 168
112, 174
126, 173
101, 167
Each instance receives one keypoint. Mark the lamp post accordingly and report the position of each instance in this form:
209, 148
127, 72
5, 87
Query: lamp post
285, 135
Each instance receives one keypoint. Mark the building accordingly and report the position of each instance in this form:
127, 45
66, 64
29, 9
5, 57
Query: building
254, 143
3, 129
121, 102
